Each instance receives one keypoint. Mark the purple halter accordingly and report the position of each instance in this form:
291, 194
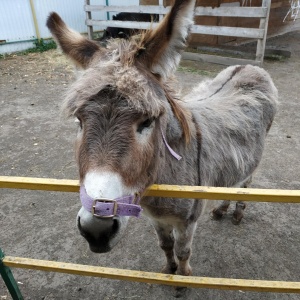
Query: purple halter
122, 206
108, 208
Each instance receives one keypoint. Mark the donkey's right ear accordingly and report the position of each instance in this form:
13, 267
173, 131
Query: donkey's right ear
78, 48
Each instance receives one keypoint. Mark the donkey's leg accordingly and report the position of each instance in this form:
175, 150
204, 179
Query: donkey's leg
221, 210
166, 242
238, 213
184, 234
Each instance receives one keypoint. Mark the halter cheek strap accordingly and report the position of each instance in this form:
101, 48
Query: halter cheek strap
177, 156
108, 208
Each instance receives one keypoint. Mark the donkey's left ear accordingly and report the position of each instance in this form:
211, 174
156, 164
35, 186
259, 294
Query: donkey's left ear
78, 48
161, 48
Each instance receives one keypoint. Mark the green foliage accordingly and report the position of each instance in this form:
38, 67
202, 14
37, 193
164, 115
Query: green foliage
40, 46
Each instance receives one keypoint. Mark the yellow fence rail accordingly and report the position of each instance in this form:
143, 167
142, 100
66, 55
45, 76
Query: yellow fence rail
196, 192
150, 277
174, 191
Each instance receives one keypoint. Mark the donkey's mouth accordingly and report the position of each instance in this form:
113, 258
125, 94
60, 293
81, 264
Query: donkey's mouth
99, 242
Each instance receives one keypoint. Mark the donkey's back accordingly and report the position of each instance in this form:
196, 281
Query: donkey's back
234, 112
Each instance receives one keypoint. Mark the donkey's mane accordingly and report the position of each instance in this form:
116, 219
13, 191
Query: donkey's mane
120, 71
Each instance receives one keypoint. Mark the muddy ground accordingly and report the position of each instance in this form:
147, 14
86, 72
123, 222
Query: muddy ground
37, 142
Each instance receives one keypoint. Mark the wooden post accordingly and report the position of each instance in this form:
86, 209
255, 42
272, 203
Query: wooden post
161, 3
261, 43
89, 17
9, 279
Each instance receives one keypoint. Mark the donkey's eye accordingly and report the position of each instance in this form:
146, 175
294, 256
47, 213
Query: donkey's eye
145, 124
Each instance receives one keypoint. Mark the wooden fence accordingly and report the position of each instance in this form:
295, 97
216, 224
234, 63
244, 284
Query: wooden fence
197, 192
258, 34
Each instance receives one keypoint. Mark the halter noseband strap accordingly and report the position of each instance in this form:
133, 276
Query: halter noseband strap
108, 208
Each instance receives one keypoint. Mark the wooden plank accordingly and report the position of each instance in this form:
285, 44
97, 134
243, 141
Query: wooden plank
199, 29
154, 278
252, 33
147, 9
88, 16
216, 59
263, 25
242, 12
161, 3
121, 24
173, 191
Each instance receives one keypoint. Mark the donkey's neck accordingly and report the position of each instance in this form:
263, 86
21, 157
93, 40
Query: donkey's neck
186, 170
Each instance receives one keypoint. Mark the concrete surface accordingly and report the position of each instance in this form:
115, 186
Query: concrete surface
37, 142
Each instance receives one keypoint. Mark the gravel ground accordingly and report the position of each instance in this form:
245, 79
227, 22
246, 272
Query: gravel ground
37, 142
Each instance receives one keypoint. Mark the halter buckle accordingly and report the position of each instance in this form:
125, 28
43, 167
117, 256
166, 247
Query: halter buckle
115, 207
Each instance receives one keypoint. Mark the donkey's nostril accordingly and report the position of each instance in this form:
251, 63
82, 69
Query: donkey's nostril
115, 227
80, 227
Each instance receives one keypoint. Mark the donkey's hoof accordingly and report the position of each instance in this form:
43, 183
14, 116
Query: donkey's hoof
237, 218
217, 214
169, 269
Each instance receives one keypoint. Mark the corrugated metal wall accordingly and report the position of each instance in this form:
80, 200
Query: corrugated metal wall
17, 27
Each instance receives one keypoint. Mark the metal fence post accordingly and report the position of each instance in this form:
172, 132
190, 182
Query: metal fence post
9, 279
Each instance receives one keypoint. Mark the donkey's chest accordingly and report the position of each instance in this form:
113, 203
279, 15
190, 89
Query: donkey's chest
168, 209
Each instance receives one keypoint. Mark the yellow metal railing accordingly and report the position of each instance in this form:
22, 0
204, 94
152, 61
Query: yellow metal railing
197, 192
158, 278
174, 191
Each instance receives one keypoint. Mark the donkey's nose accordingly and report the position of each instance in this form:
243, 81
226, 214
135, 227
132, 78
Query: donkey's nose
99, 241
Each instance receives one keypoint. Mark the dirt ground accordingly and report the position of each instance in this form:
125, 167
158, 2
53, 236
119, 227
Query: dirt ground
37, 142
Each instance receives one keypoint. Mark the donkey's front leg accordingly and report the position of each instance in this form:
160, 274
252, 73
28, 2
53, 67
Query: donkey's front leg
238, 213
166, 242
221, 210
184, 234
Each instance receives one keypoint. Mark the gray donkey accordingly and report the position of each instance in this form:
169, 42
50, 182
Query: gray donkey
133, 126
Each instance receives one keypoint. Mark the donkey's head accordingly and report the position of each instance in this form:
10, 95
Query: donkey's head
123, 105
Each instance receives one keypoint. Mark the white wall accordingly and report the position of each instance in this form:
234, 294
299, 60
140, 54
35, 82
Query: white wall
17, 26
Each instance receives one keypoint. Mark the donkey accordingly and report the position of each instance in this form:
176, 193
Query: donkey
125, 33
133, 126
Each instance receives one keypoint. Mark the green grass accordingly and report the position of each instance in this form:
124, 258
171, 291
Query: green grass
40, 46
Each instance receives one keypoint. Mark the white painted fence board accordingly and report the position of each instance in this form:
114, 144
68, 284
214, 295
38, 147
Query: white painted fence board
241, 12
259, 34
148, 9
120, 24
200, 29
253, 33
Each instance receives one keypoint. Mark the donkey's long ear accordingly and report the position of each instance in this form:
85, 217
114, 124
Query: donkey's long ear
73, 44
162, 46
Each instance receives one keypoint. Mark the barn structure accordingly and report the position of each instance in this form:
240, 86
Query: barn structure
284, 17
23, 21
